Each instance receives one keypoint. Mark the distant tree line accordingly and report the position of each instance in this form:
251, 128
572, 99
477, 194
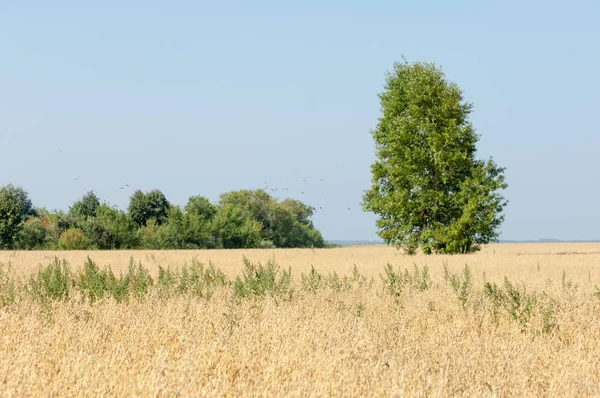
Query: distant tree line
240, 219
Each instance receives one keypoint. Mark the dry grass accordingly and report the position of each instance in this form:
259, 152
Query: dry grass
358, 342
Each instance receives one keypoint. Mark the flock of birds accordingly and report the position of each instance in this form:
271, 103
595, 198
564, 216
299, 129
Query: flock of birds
267, 188
285, 189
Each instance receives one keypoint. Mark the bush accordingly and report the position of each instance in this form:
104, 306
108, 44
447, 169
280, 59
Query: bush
515, 300
94, 282
52, 283
198, 282
266, 244
312, 281
138, 279
461, 286
33, 235
393, 282
261, 280
73, 239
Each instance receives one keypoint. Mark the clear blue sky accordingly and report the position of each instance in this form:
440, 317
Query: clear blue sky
199, 98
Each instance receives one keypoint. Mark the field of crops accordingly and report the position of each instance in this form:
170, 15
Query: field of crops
514, 319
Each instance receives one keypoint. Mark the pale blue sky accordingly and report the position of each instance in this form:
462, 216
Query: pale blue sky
198, 98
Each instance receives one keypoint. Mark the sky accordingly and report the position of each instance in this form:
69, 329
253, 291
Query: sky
201, 98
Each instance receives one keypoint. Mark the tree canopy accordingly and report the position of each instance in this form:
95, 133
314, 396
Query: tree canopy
428, 188
240, 219
15, 208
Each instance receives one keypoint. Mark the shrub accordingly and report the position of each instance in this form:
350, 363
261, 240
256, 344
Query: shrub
421, 280
461, 286
52, 283
261, 280
94, 282
33, 235
200, 282
73, 239
312, 281
393, 283
516, 301
266, 244
138, 279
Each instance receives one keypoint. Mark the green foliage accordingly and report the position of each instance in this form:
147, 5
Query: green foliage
428, 189
33, 235
235, 228
94, 282
201, 282
393, 282
167, 279
73, 239
138, 279
567, 284
118, 231
516, 301
266, 244
292, 226
311, 282
180, 231
460, 285
243, 219
201, 207
356, 278
421, 280
335, 283
85, 207
549, 324
286, 224
15, 208
52, 283
146, 206
261, 280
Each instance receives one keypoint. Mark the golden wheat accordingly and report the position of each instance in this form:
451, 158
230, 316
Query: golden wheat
356, 342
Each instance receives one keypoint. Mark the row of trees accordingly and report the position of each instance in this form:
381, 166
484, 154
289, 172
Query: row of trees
241, 219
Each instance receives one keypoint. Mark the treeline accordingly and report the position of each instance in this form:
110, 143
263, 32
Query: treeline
241, 219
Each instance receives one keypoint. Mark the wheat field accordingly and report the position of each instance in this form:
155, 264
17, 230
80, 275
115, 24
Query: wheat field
520, 319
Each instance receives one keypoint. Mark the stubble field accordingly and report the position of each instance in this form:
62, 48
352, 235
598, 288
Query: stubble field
514, 319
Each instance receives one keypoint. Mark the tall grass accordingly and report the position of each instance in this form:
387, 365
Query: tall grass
153, 327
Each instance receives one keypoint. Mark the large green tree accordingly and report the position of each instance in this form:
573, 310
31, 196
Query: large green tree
428, 188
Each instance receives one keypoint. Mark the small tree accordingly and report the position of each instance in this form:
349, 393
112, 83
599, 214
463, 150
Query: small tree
15, 208
85, 207
200, 206
428, 189
143, 207
73, 239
